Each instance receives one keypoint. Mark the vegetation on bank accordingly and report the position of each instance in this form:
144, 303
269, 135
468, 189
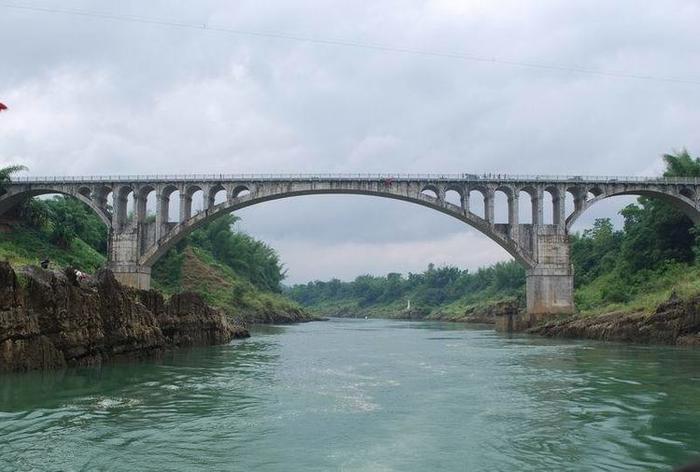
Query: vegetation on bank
447, 290
230, 269
631, 269
60, 229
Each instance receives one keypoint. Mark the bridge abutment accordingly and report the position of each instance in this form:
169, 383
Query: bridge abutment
550, 291
550, 283
132, 275
124, 256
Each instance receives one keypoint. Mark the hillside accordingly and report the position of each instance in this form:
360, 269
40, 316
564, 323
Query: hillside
23, 245
195, 269
230, 270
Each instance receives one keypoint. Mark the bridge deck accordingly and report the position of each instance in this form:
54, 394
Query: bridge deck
465, 177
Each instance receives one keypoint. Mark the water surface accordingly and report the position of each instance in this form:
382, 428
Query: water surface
363, 395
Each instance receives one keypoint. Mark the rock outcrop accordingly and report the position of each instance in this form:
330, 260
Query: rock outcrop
48, 320
485, 314
675, 321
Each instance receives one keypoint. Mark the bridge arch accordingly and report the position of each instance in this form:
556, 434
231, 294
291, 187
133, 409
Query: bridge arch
91, 199
678, 200
530, 192
186, 227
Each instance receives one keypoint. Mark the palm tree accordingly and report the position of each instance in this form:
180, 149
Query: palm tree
681, 164
6, 174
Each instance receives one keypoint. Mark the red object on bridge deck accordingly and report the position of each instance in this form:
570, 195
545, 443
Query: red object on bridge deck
2, 106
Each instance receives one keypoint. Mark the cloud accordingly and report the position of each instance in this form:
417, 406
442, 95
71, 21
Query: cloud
96, 96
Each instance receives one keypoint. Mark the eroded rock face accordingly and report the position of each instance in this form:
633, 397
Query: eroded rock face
48, 321
484, 314
673, 322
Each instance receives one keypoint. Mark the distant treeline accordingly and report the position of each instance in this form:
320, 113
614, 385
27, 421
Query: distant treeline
428, 289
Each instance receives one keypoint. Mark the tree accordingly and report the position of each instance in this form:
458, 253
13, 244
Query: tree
681, 164
656, 232
252, 259
71, 218
6, 174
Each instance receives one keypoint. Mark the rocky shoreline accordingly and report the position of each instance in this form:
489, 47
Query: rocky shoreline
50, 320
288, 316
481, 314
674, 322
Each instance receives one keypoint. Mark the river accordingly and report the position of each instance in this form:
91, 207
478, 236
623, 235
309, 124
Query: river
363, 395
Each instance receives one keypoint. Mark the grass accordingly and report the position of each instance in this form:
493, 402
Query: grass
220, 286
458, 310
26, 246
649, 291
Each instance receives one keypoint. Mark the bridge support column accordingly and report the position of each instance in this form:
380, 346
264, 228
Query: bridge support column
132, 275
124, 255
550, 291
550, 284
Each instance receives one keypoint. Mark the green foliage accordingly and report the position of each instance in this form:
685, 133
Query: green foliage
195, 269
229, 269
595, 251
681, 164
428, 290
61, 229
613, 268
25, 245
252, 259
64, 219
6, 174
166, 274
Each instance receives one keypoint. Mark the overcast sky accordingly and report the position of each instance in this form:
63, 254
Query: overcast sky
100, 96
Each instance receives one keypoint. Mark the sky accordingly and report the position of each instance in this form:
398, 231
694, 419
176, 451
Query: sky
89, 95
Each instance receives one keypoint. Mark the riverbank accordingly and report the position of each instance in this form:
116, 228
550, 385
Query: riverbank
50, 320
674, 322
231, 271
199, 272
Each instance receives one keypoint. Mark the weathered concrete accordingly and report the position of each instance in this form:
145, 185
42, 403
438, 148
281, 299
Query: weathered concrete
550, 283
541, 247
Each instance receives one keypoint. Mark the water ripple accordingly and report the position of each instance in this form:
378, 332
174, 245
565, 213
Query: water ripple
363, 395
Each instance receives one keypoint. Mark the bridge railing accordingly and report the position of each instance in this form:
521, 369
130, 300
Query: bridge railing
450, 177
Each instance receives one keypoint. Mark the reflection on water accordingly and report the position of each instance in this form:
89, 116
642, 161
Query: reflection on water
363, 395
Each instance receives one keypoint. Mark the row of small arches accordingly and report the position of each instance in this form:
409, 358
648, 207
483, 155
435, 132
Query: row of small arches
175, 205
503, 211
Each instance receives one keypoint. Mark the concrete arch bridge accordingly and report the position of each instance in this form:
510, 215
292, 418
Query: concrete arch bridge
540, 242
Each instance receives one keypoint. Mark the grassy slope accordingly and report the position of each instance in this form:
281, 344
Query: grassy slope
681, 279
24, 246
222, 287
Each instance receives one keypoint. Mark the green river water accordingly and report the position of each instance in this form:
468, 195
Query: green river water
363, 395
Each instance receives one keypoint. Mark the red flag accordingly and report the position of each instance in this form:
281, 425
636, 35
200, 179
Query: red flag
2, 106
